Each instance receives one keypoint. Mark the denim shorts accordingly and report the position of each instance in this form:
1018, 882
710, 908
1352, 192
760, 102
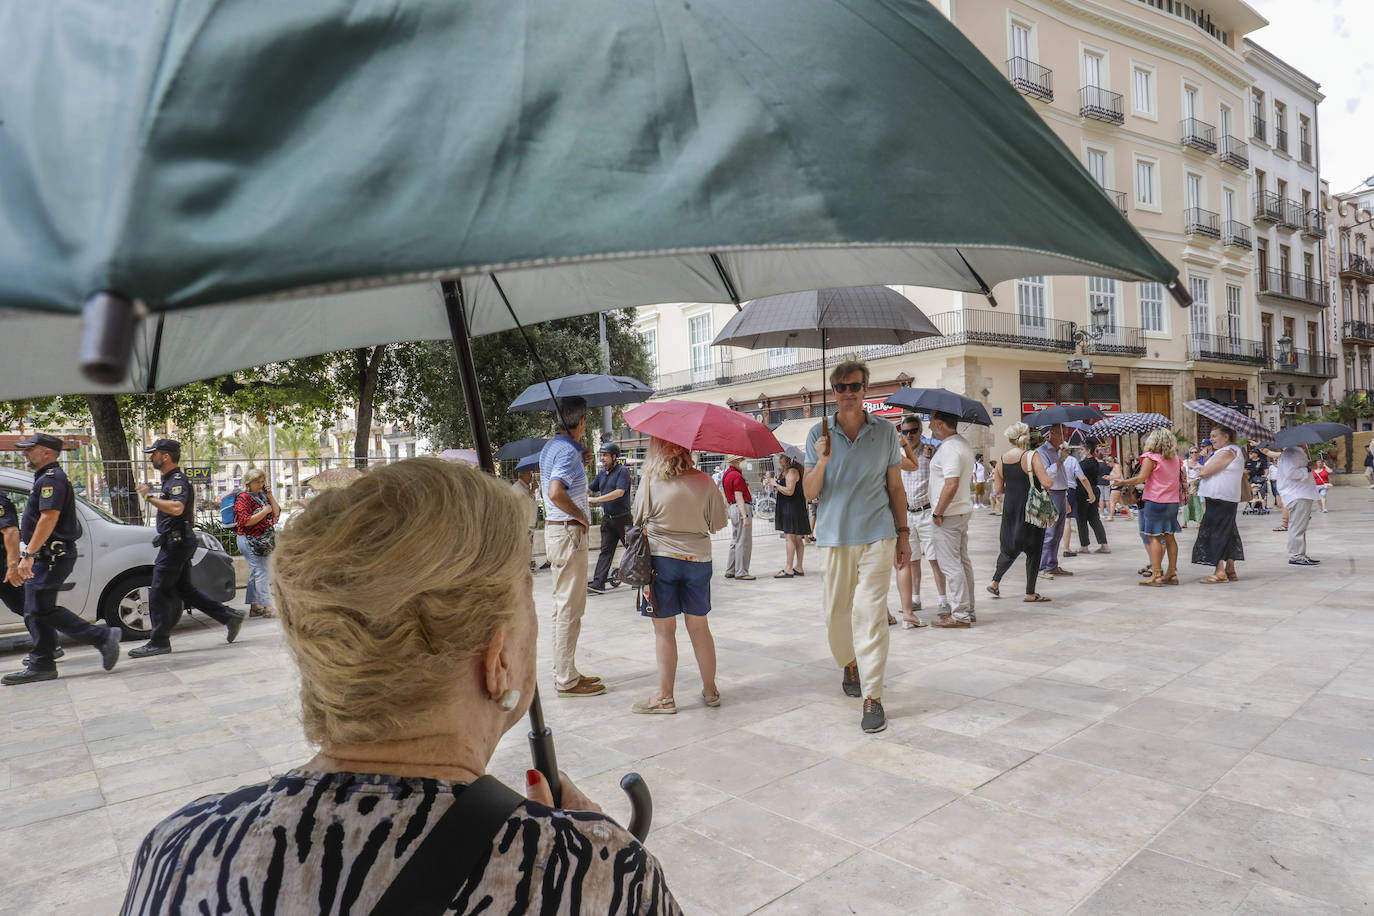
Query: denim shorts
680, 587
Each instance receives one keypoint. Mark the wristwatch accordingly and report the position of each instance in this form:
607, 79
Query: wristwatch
936, 515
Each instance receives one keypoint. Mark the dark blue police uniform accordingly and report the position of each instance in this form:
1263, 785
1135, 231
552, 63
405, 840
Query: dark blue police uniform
615, 518
172, 569
12, 596
51, 568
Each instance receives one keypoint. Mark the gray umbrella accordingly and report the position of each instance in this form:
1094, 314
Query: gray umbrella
822, 318
931, 400
1310, 434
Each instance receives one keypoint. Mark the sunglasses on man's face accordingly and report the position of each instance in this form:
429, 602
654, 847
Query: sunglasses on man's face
911, 432
842, 387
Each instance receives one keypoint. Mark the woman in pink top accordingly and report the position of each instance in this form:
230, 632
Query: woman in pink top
1162, 473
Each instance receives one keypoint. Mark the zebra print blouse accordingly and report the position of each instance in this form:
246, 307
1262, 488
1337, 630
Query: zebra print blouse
310, 842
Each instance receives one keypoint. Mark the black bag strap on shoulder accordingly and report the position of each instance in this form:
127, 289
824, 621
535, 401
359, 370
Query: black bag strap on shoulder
436, 870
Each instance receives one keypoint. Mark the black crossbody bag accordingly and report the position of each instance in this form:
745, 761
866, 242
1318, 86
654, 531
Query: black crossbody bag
455, 845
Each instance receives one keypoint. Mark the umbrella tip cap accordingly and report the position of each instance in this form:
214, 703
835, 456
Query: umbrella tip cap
107, 337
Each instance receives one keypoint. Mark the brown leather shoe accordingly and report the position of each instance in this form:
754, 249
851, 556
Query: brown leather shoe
951, 623
583, 688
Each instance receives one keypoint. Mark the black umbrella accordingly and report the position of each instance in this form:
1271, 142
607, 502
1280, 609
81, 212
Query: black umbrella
929, 400
596, 390
1062, 413
1309, 434
849, 316
528, 463
514, 451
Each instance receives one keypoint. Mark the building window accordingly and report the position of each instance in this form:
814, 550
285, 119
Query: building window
1021, 41
1097, 166
699, 336
650, 338
1257, 125
1094, 70
1102, 303
1152, 307
1233, 294
1194, 193
1280, 126
1200, 313
1346, 305
1030, 304
1146, 183
1143, 90
782, 357
1305, 138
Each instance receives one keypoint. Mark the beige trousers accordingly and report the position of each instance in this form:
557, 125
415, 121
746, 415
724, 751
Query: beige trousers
950, 540
855, 580
566, 546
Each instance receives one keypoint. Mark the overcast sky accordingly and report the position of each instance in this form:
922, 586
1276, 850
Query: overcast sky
1331, 41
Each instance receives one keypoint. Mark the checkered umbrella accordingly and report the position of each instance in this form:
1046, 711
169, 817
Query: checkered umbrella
1245, 427
1125, 424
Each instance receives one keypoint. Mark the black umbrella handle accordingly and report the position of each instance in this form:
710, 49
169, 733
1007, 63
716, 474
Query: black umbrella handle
641, 805
542, 752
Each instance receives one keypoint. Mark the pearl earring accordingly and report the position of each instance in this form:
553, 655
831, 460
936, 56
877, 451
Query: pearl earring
509, 700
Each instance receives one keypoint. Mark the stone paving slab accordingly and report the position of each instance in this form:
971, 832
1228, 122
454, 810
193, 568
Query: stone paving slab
1201, 749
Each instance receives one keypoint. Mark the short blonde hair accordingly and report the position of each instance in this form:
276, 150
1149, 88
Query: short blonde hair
667, 459
1162, 441
388, 586
1018, 434
253, 475
848, 368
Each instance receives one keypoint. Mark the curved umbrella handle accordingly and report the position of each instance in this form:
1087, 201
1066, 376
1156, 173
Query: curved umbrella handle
641, 805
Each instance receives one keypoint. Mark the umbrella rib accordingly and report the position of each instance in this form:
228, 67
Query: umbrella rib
529, 345
986, 290
725, 279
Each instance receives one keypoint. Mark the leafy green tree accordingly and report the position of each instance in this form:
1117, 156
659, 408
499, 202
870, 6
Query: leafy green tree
1350, 410
250, 442
294, 441
427, 395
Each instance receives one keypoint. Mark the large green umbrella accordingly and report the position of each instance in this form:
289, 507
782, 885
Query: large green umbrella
571, 156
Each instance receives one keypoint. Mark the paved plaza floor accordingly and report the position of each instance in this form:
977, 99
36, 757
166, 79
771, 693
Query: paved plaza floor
1201, 749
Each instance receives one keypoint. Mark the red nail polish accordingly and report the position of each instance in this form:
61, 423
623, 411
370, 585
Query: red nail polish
531, 778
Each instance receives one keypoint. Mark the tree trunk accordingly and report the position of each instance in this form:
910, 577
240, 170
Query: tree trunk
1350, 449
114, 453
368, 368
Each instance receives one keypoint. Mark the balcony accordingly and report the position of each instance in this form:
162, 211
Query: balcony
1259, 130
1117, 340
1357, 266
1118, 198
1218, 349
1304, 362
1101, 105
1235, 151
1287, 285
1197, 221
1315, 225
1294, 215
1268, 207
1305, 151
1280, 139
1358, 332
1199, 135
1236, 234
965, 327
1031, 78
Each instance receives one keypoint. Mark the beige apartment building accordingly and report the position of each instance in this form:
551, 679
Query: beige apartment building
1350, 266
1154, 97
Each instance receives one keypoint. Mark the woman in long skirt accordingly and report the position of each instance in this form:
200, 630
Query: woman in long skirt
1218, 539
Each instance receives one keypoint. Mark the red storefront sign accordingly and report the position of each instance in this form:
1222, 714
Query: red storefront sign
1108, 406
879, 409
1033, 406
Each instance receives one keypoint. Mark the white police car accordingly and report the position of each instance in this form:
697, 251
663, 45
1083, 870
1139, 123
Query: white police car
114, 566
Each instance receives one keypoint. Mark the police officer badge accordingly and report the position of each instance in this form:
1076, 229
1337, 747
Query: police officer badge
176, 491
45, 493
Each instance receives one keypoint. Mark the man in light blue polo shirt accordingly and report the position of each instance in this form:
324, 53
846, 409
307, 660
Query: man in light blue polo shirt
563, 475
853, 468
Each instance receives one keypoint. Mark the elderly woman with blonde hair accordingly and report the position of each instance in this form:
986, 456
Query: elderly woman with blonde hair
1161, 471
680, 508
406, 600
255, 515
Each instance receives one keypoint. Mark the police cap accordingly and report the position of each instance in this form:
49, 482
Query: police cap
44, 439
610, 448
170, 446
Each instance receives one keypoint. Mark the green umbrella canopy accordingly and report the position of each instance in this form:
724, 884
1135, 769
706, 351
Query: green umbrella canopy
590, 155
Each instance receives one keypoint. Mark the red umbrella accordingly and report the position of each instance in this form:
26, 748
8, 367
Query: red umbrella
707, 427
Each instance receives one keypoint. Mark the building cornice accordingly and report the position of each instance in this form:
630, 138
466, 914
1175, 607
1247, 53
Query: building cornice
1114, 20
1263, 59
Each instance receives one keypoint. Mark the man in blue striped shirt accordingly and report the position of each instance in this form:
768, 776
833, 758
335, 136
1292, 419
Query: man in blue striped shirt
567, 520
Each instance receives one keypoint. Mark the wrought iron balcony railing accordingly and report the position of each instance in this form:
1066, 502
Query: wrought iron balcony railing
1220, 349
1235, 152
1359, 265
1259, 130
1114, 340
1197, 221
1294, 214
1280, 139
1199, 135
1101, 105
1236, 234
1031, 78
1304, 362
1268, 207
1118, 198
1288, 285
1305, 149
1315, 225
1362, 331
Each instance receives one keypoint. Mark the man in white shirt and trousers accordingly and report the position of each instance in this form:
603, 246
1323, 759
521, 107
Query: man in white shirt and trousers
948, 487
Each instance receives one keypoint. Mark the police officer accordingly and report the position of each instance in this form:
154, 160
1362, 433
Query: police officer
49, 530
11, 583
612, 484
176, 541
